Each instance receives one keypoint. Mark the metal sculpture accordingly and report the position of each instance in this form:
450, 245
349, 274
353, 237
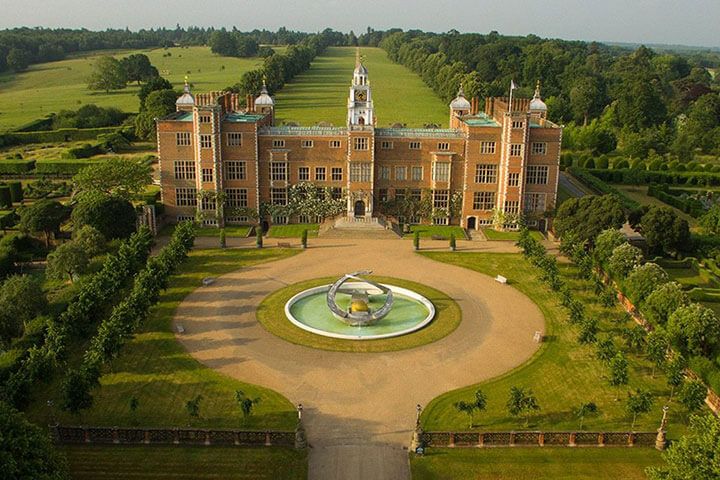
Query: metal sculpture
359, 313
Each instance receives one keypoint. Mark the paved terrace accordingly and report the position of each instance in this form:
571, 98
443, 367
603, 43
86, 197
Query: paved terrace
360, 408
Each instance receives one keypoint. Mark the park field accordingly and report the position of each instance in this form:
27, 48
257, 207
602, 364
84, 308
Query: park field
320, 94
50, 87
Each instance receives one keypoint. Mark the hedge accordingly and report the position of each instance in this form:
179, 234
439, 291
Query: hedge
40, 124
601, 187
8, 219
83, 151
16, 167
60, 135
16, 190
5, 197
61, 167
645, 177
691, 206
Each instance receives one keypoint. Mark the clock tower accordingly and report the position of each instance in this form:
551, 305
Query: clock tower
360, 104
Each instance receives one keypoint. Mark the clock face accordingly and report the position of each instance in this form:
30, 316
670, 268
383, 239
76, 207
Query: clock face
360, 96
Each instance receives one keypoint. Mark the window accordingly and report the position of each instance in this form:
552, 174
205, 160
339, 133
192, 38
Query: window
336, 174
534, 202
278, 143
384, 173
334, 143
186, 197
184, 170
386, 145
415, 145
205, 118
209, 223
234, 139
303, 218
304, 174
512, 206
539, 148
183, 139
483, 200
487, 148
185, 218
280, 220
383, 194
441, 199
440, 220
360, 172
443, 146
417, 173
513, 179
516, 150
207, 175
361, 143
415, 194
400, 173
517, 124
336, 193
235, 170
306, 144
537, 175
208, 203
205, 141
399, 194
441, 172
485, 173
236, 220
236, 197
278, 196
278, 171
320, 174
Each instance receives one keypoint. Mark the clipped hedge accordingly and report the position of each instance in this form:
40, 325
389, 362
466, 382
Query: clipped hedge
16, 190
50, 136
60, 167
595, 183
16, 167
5, 197
644, 177
691, 206
83, 151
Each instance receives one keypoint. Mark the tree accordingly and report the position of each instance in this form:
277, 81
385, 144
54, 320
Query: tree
634, 337
192, 407
694, 329
656, 348
152, 85
618, 370
114, 217
585, 409
467, 408
26, 451
18, 59
643, 280
663, 301
91, 240
123, 177
711, 220
605, 243
67, 261
107, 75
522, 402
43, 216
695, 456
623, 259
158, 104
675, 371
21, 300
223, 43
693, 395
587, 216
76, 391
587, 97
606, 350
664, 231
246, 403
588, 331
638, 403
137, 68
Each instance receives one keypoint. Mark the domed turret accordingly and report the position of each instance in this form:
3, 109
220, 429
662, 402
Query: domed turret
460, 102
264, 99
536, 104
186, 100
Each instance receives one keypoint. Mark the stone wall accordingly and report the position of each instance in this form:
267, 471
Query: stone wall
538, 439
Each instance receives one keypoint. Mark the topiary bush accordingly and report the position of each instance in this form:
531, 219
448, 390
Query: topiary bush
620, 163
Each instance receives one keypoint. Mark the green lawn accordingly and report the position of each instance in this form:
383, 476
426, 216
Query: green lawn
492, 234
156, 369
271, 314
428, 231
230, 231
639, 194
173, 462
320, 94
293, 230
534, 463
51, 87
563, 374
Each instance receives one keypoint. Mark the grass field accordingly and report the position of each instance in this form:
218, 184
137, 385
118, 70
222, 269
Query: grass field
173, 462
563, 374
293, 230
320, 94
51, 87
156, 369
429, 231
492, 234
534, 463
271, 315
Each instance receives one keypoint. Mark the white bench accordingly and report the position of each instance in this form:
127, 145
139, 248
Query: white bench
501, 279
208, 281
179, 328
538, 337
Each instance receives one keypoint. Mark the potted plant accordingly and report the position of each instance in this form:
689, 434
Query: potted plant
303, 238
258, 237
222, 238
416, 240
453, 246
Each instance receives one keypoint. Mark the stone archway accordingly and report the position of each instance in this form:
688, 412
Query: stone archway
359, 208
471, 223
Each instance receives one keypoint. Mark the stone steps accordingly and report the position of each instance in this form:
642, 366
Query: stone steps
365, 233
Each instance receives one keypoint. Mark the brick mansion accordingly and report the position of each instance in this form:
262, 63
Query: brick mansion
497, 163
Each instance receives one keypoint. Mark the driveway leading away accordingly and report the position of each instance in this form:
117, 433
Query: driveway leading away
360, 408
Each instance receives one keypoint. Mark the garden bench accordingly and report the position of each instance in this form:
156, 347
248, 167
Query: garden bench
208, 281
284, 245
538, 337
501, 279
180, 328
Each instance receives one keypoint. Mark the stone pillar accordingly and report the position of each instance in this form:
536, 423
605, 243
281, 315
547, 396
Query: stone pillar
512, 439
176, 436
267, 439
146, 437
571, 442
660, 439
601, 439
87, 435
207, 437
452, 440
115, 435
481, 440
631, 439
236, 437
541, 439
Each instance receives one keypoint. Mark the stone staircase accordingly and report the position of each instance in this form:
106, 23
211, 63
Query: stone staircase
359, 227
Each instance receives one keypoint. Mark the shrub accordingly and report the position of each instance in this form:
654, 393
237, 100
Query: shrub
16, 190
620, 163
84, 151
60, 167
5, 197
602, 162
16, 167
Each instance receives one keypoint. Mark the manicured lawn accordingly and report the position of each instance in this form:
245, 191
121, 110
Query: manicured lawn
230, 231
428, 231
271, 315
320, 94
563, 374
172, 462
492, 234
639, 194
534, 463
154, 368
293, 230
51, 87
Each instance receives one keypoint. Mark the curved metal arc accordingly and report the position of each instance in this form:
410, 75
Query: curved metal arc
373, 316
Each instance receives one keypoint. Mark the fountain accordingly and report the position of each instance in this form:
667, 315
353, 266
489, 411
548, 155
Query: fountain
360, 309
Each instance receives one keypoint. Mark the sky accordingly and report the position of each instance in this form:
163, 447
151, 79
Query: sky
686, 22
